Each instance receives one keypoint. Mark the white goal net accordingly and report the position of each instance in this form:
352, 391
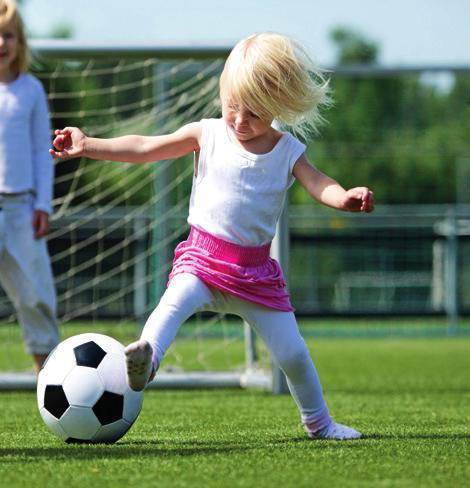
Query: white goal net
115, 225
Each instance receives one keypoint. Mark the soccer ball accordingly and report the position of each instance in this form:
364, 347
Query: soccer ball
82, 390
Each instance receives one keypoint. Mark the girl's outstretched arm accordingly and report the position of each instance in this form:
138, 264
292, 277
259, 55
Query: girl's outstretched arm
71, 142
329, 192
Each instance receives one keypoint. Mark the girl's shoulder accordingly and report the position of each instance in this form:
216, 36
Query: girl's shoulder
294, 141
27, 81
210, 128
212, 124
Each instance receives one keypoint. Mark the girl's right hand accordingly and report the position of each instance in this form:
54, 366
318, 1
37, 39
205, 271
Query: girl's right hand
68, 143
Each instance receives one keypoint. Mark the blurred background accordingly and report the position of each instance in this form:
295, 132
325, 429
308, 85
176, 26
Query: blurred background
409, 32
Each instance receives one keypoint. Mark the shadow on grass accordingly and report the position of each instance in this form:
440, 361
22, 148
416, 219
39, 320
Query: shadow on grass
101, 451
155, 448
411, 436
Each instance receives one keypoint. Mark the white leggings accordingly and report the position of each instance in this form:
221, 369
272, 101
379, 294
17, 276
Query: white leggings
187, 294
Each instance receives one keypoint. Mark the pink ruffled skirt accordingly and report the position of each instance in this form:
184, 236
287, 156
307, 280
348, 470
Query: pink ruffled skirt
246, 272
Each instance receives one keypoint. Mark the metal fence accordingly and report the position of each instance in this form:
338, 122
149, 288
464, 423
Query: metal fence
399, 260
408, 260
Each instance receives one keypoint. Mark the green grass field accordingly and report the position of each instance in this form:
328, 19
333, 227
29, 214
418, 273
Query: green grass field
409, 396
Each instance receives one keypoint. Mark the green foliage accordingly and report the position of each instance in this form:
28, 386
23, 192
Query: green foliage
400, 135
353, 47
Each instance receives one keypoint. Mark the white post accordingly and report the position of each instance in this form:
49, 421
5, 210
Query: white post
280, 252
161, 253
451, 273
140, 270
251, 355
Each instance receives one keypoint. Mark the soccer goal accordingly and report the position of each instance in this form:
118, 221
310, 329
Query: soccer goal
115, 225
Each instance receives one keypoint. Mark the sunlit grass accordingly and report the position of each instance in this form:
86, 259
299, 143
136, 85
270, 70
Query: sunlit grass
410, 397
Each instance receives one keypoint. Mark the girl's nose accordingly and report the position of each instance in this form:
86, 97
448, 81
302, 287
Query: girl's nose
240, 118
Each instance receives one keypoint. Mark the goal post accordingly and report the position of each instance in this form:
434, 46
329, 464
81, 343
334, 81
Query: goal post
115, 225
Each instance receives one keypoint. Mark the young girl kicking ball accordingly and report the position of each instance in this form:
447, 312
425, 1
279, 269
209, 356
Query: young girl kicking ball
243, 169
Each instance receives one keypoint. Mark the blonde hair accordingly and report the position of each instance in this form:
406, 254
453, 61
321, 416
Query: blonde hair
272, 76
9, 13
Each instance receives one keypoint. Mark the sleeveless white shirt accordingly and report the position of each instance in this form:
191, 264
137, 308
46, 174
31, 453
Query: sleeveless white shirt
236, 195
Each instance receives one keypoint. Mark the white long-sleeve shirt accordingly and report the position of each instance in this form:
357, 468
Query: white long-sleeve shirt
25, 164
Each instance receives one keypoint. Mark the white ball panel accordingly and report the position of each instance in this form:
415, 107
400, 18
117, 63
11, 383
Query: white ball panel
53, 424
80, 423
112, 432
59, 364
41, 388
83, 386
132, 404
112, 372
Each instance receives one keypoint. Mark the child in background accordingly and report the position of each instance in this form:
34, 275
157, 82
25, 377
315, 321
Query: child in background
243, 169
26, 181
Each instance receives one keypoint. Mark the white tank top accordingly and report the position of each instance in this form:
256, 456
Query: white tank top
238, 196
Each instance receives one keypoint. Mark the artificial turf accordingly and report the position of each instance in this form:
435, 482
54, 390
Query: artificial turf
410, 397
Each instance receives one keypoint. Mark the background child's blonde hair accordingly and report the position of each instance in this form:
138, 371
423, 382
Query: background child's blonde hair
272, 76
9, 13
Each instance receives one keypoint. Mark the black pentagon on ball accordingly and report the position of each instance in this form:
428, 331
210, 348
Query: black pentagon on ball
109, 408
89, 354
55, 401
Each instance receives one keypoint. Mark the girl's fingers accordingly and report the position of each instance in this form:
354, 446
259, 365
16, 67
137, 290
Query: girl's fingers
59, 154
361, 199
368, 202
58, 142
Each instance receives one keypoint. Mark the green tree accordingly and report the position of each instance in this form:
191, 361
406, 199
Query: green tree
353, 48
398, 134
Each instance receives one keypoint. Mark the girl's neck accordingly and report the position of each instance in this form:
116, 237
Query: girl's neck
262, 144
7, 75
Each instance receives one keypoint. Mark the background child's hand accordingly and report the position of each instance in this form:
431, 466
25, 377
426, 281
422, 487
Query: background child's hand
40, 223
69, 143
359, 199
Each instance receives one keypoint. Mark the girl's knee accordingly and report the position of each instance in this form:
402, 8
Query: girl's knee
295, 359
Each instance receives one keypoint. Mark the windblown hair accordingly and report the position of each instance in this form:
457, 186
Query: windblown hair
9, 13
272, 76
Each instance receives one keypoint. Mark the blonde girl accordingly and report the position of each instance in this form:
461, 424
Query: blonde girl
26, 178
244, 167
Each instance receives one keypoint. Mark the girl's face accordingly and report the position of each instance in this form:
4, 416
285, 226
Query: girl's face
243, 124
9, 46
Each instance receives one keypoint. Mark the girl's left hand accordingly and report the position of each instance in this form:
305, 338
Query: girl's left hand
40, 223
359, 199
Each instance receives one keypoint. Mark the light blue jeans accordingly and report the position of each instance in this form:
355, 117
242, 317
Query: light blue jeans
26, 275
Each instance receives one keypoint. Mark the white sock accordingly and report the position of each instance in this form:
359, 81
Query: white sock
335, 431
139, 364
